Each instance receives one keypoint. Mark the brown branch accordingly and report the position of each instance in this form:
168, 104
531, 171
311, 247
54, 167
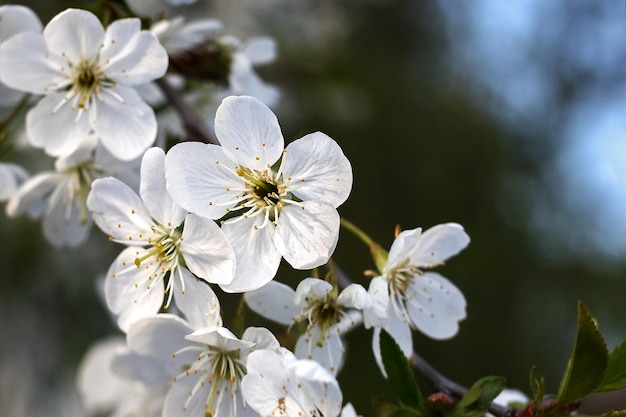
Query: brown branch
194, 124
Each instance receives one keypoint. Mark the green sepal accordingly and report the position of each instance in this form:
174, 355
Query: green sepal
399, 372
476, 401
588, 362
379, 256
403, 411
615, 375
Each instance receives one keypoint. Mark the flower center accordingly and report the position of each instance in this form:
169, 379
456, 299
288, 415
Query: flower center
323, 313
219, 369
88, 80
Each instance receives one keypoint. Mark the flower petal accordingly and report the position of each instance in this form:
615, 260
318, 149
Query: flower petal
201, 179
131, 56
354, 296
260, 50
376, 314
249, 132
57, 132
32, 197
206, 251
153, 192
400, 330
130, 291
435, 305
317, 169
321, 386
262, 339
274, 301
17, 19
127, 128
119, 212
11, 176
65, 220
161, 337
197, 302
430, 248
307, 233
256, 255
74, 33
326, 349
311, 288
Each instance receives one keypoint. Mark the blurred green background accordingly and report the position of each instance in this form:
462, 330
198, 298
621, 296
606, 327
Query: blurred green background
508, 119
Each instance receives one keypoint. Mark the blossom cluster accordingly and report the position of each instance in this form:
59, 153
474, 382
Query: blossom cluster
193, 217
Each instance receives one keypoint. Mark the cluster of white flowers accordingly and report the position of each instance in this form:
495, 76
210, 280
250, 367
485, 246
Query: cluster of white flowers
198, 215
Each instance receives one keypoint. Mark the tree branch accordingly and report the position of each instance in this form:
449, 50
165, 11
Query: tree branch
194, 124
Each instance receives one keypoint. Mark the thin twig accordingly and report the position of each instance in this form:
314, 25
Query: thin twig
194, 124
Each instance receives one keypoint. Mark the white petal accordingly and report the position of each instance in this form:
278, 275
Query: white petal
268, 381
160, 337
206, 251
83, 153
400, 330
249, 132
11, 176
243, 80
436, 306
65, 220
354, 296
376, 314
74, 33
348, 411
126, 128
317, 169
30, 71
260, 50
307, 233
99, 387
220, 338
130, 56
129, 291
153, 192
200, 177
58, 133
321, 386
16, 19
327, 350
262, 339
198, 302
32, 197
256, 255
119, 212
274, 301
179, 403
312, 288
440, 243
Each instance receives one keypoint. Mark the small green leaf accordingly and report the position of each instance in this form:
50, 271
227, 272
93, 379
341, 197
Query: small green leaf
537, 385
478, 399
402, 411
615, 375
588, 361
399, 372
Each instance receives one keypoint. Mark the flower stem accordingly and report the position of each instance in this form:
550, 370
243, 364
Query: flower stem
357, 232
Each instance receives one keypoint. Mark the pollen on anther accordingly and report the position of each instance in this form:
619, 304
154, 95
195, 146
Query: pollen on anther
236, 148
132, 211
257, 158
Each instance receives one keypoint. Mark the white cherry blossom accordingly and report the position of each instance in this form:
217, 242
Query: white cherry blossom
164, 243
279, 385
417, 298
59, 197
327, 314
86, 75
273, 201
208, 363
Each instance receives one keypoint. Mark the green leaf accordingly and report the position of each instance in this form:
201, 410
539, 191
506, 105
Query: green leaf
620, 413
588, 361
478, 399
615, 375
399, 372
537, 385
404, 412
